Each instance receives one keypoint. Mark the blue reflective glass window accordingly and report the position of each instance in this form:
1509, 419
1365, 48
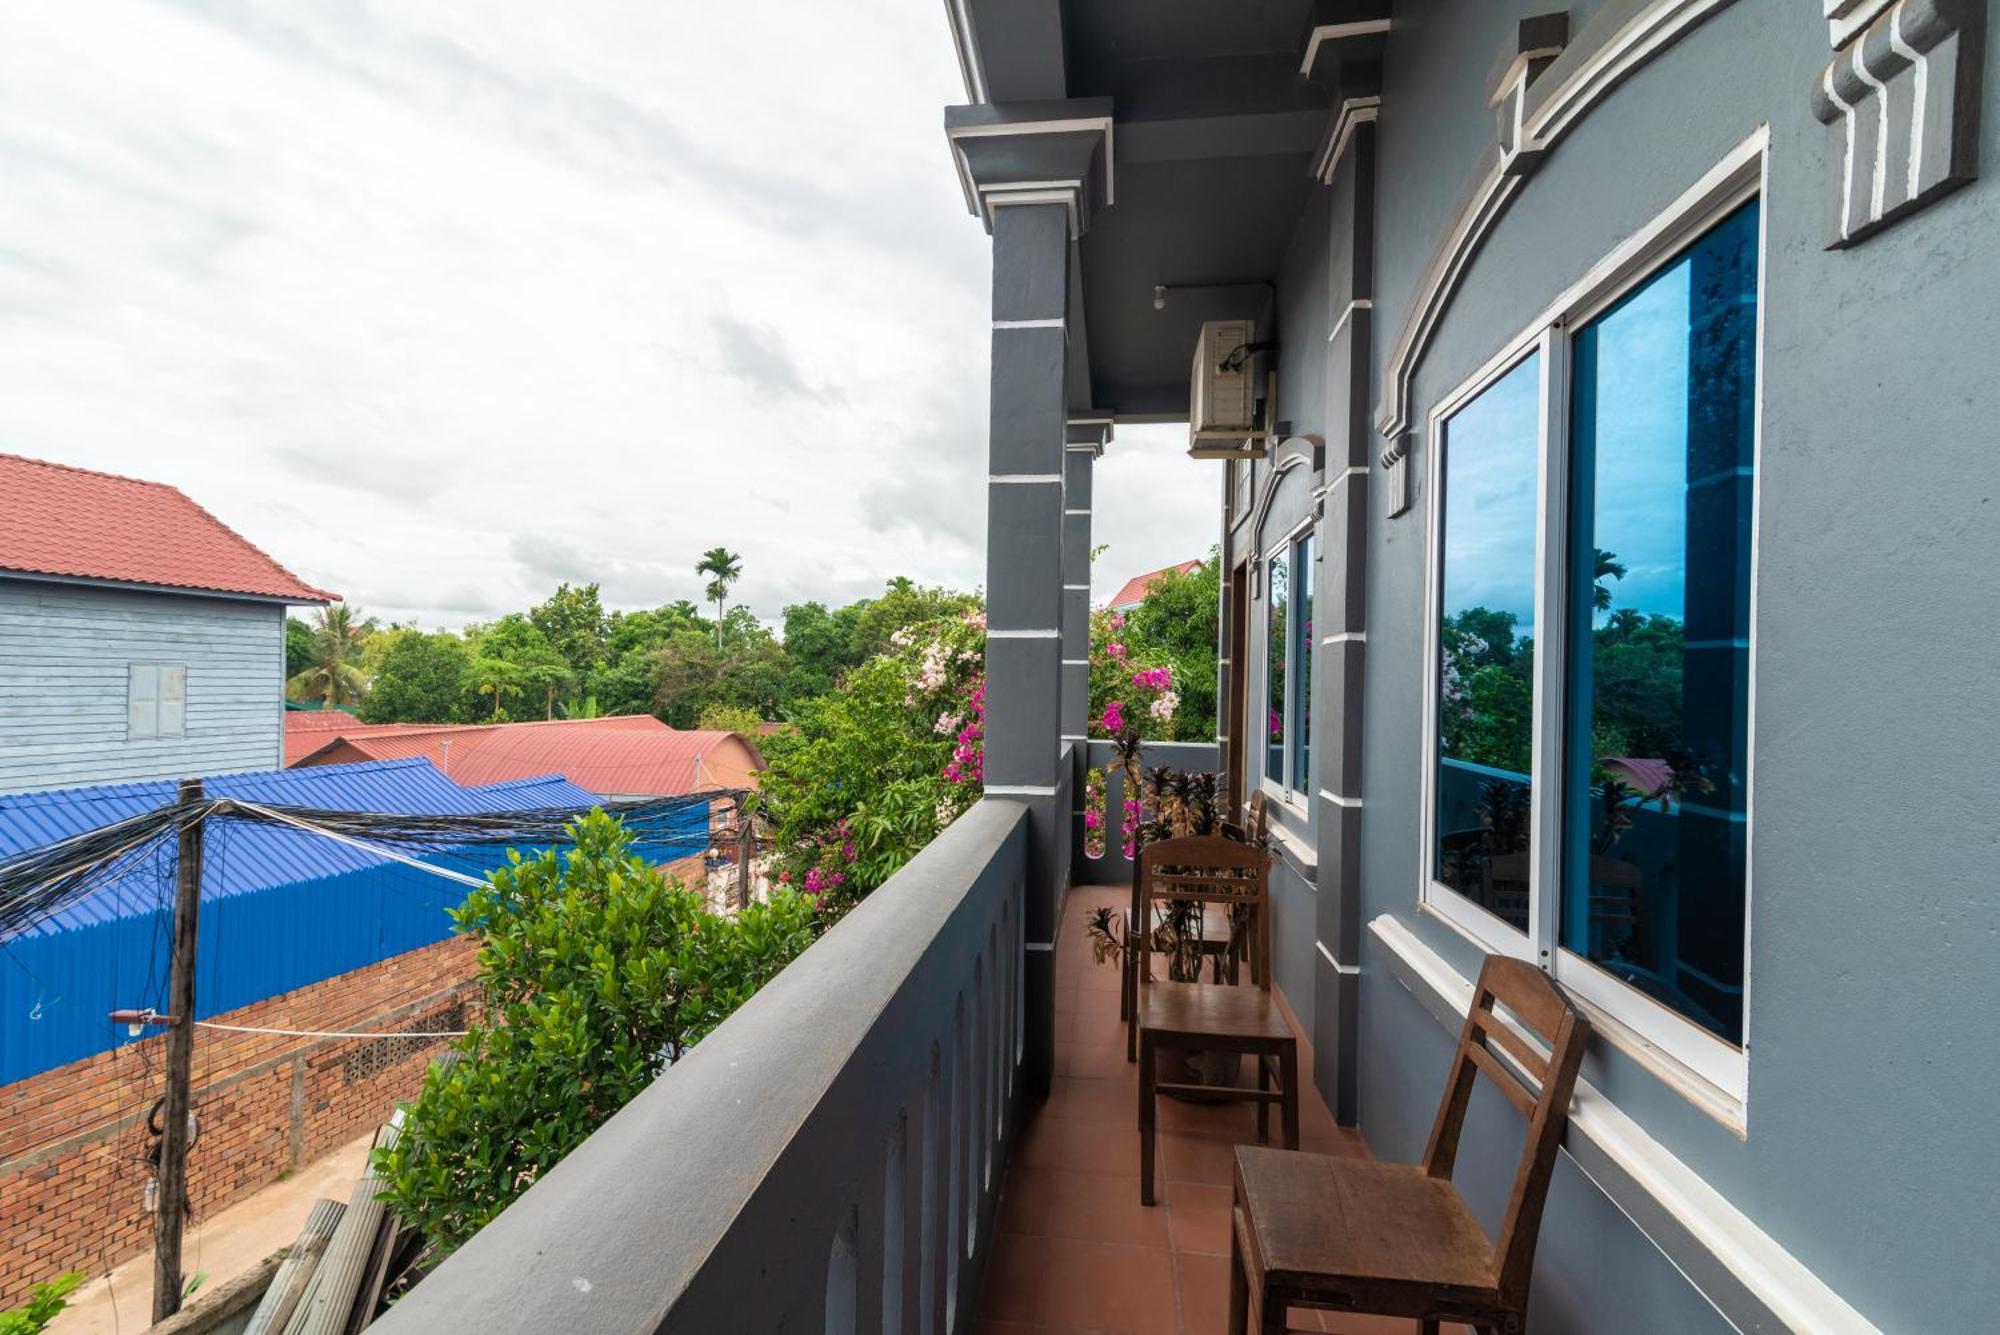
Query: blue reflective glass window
1277, 652
1302, 663
1657, 737
1486, 644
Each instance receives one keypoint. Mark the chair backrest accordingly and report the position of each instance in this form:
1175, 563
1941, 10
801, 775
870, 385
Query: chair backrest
1206, 869
1491, 1046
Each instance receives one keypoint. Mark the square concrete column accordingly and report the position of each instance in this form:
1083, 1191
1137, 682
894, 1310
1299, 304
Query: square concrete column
1340, 628
1032, 172
1024, 579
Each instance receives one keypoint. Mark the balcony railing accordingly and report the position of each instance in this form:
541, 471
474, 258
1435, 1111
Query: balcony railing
829, 1159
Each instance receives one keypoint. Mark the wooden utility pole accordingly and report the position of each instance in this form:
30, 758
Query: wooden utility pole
746, 851
171, 1216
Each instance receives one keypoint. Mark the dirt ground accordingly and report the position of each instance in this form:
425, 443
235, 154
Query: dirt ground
222, 1246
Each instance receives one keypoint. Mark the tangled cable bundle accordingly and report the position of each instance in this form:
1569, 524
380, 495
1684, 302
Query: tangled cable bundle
44, 880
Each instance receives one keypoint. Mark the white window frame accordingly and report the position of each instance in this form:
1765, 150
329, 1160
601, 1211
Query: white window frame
1710, 1071
1278, 790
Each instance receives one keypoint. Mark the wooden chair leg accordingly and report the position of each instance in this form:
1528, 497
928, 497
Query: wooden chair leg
1239, 1289
1263, 1105
1148, 1107
1125, 988
1288, 1075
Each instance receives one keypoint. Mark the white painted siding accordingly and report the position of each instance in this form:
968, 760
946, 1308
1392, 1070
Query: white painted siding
65, 651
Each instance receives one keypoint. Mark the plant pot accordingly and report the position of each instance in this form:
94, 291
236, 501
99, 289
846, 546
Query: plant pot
1177, 1066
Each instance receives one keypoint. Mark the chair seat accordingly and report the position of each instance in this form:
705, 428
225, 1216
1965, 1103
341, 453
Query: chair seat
1211, 1010
1315, 1223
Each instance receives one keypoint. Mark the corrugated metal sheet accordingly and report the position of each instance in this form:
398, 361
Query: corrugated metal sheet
281, 908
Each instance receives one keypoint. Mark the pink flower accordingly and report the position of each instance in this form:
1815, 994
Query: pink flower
1117, 651
1114, 717
1093, 820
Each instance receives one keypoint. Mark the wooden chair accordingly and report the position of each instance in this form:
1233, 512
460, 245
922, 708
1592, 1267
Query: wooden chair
1212, 1017
1397, 1240
1222, 938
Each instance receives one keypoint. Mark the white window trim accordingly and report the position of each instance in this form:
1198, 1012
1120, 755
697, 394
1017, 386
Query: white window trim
1281, 791
1711, 1072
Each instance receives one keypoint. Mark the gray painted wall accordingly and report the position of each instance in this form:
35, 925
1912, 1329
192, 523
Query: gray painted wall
65, 651
1868, 1152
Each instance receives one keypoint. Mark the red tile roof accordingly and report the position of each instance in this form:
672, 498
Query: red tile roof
1139, 586
87, 525
626, 755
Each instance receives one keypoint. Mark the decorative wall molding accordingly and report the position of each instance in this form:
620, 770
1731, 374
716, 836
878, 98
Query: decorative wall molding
1900, 99
1572, 84
1354, 112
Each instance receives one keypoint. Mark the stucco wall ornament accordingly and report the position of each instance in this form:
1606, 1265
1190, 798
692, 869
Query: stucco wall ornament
1900, 99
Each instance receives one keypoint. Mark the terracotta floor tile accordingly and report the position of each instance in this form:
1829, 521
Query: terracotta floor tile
1077, 1059
1198, 1217
1067, 1282
1098, 1030
1085, 1099
1190, 1157
1201, 1283
1027, 1198
1104, 1207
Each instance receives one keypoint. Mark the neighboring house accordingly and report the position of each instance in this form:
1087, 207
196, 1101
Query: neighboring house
313, 947
1135, 589
140, 637
629, 755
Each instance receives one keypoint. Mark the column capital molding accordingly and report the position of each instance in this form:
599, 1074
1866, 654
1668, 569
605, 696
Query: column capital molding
1088, 435
1033, 153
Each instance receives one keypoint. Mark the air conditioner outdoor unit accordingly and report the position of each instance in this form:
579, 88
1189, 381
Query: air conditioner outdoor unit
1222, 408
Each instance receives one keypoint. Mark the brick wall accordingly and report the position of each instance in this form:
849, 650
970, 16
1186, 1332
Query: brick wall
73, 1140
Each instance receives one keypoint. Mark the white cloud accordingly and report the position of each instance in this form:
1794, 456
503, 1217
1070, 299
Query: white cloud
440, 304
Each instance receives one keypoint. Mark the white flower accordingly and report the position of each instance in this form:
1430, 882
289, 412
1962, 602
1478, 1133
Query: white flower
1163, 707
947, 724
944, 814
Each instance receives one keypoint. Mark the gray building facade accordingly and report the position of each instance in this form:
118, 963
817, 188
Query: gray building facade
113, 685
1705, 293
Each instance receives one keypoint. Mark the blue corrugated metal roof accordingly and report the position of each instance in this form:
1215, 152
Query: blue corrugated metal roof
281, 908
256, 856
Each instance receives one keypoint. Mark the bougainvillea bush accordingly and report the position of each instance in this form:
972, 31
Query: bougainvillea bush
871, 772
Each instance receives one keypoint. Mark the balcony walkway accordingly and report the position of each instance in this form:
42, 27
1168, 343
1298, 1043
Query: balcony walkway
1076, 1252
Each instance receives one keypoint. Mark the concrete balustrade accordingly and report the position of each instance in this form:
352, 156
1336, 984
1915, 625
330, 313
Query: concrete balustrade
829, 1159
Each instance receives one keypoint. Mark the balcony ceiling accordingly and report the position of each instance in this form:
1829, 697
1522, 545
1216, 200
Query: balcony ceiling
1215, 131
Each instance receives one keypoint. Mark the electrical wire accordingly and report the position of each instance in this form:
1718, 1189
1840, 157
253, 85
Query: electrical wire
330, 1033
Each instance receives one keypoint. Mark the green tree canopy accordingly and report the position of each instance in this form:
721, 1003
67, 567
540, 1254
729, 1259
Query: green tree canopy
422, 679
572, 620
298, 646
745, 668
515, 671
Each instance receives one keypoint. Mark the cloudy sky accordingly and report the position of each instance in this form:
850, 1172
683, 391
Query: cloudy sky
443, 303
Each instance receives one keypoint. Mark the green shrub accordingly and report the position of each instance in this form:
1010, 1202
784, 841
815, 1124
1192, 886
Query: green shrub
596, 973
43, 1306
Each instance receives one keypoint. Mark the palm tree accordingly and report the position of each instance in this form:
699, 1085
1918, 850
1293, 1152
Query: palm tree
725, 567
334, 671
1607, 566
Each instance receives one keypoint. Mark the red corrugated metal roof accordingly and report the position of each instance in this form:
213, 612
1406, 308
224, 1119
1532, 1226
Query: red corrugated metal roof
1139, 586
307, 730
86, 525
625, 754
